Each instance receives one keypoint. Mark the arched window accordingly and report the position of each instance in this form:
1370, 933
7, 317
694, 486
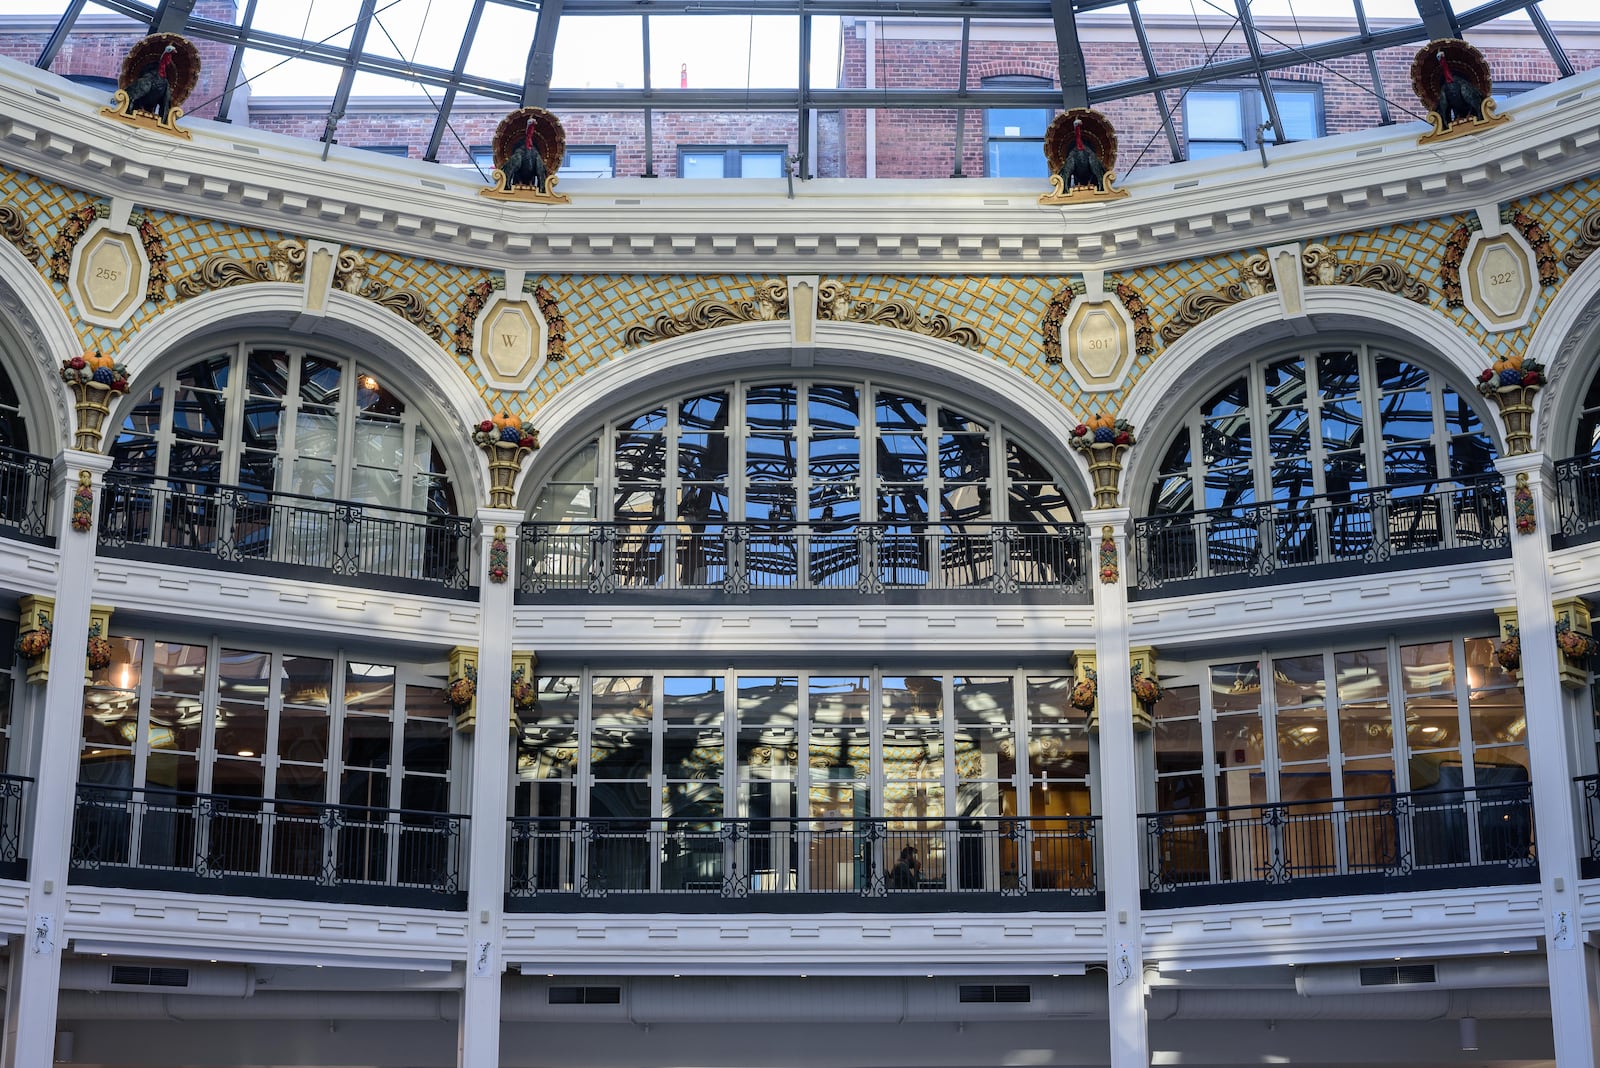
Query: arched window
274, 417
828, 470
1338, 453
1587, 437
13, 425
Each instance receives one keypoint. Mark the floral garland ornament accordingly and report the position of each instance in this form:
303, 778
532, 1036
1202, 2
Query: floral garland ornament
524, 693
1522, 500
1104, 440
1508, 654
97, 650
95, 381
1085, 691
1512, 383
1574, 644
35, 643
499, 556
73, 226
1109, 569
508, 443
83, 504
1147, 691
463, 689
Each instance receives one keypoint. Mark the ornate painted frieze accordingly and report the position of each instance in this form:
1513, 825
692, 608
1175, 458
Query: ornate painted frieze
14, 228
770, 303
285, 263
1255, 279
1322, 268
835, 303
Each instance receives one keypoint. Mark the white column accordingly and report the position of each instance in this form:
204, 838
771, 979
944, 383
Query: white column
479, 1045
1120, 833
35, 967
1572, 977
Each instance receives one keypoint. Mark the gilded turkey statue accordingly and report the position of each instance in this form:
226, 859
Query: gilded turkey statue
158, 74
1081, 149
1452, 80
528, 145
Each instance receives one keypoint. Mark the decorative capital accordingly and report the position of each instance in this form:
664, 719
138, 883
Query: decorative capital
1104, 440
1146, 685
508, 444
34, 632
461, 692
1512, 384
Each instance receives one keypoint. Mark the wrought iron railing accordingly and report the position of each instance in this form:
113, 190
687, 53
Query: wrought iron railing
1589, 803
859, 558
1288, 541
217, 844
1376, 843
341, 541
790, 863
1577, 500
13, 805
24, 493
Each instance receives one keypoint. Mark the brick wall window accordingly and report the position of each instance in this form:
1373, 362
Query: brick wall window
589, 161
1014, 137
731, 161
1220, 119
387, 150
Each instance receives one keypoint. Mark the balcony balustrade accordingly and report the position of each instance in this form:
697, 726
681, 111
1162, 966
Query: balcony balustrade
1589, 808
802, 865
1383, 843
232, 528
250, 846
1577, 501
13, 805
848, 561
1383, 528
24, 495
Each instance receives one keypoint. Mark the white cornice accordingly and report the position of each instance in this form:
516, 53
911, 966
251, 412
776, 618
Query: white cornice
51, 128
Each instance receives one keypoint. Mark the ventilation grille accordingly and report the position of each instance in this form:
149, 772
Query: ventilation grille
586, 995
141, 975
1012, 994
1398, 975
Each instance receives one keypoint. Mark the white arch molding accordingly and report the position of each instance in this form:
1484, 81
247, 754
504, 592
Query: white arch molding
1566, 340
1180, 373
431, 376
849, 348
41, 335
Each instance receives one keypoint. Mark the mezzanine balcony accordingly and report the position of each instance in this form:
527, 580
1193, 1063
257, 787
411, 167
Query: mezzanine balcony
1386, 528
253, 847
1577, 501
823, 561
14, 791
203, 524
25, 496
1375, 844
820, 864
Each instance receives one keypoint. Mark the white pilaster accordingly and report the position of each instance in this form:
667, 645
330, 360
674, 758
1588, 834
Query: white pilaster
479, 1044
1119, 797
1572, 977
35, 967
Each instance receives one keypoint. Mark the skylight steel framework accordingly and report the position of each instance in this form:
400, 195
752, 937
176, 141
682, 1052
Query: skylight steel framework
444, 87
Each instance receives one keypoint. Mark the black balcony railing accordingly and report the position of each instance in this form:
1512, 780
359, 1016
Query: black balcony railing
215, 844
854, 559
790, 865
1357, 845
1577, 501
1385, 528
1589, 804
13, 804
24, 494
181, 520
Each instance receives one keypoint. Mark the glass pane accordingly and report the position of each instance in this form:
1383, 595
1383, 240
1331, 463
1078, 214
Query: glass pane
369, 687
366, 741
696, 701
241, 730
1214, 114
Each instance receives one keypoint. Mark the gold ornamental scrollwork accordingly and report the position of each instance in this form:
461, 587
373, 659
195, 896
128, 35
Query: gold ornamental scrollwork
1255, 279
1586, 242
770, 303
1322, 268
285, 263
836, 304
14, 228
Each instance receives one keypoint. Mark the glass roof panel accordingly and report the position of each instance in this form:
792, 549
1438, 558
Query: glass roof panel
724, 51
272, 74
308, 20
581, 38
500, 47
419, 32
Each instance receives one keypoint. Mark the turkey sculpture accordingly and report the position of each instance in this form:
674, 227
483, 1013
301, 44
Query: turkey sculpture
1081, 148
1452, 80
528, 145
158, 74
